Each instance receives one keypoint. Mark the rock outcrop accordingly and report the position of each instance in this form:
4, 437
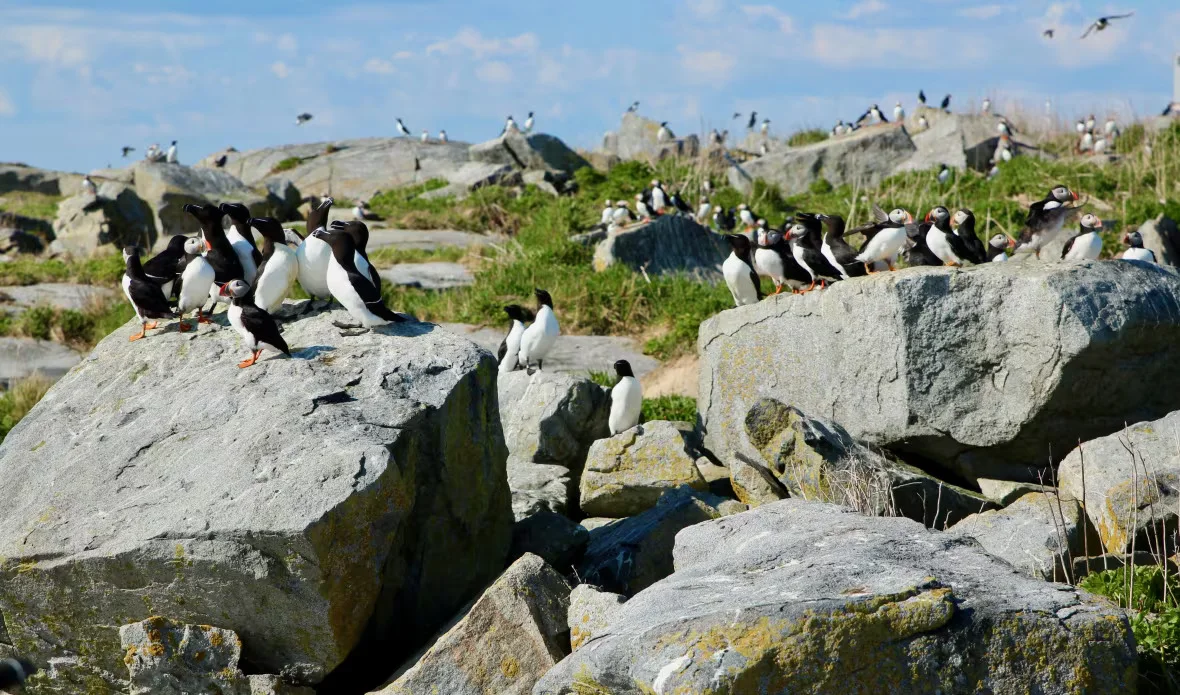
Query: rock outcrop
863, 158
167, 188
21, 177
536, 152
351, 495
959, 141
1162, 236
1037, 534
803, 597
116, 216
977, 372
551, 537
626, 474
21, 358
637, 138
667, 246
591, 611
502, 643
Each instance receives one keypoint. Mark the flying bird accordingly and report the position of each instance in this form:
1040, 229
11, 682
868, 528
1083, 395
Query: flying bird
127, 150
401, 128
752, 121
1048, 33
736, 115
633, 107
1103, 22
302, 118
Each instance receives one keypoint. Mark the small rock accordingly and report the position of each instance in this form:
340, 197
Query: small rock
168, 658
1005, 492
1163, 238
116, 216
596, 522
626, 474
753, 483
670, 245
552, 418
543, 180
427, 239
538, 487
536, 151
591, 611
21, 358
167, 188
1028, 534
550, 536
428, 276
637, 138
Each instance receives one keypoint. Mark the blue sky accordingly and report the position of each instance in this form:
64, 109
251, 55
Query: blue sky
79, 82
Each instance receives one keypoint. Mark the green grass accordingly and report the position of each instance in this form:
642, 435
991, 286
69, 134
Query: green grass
17, 401
29, 204
807, 137
287, 164
79, 329
675, 408
1155, 620
102, 270
391, 255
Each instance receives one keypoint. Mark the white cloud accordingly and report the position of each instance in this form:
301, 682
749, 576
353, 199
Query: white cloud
280, 69
170, 75
57, 46
845, 46
494, 71
705, 8
403, 55
706, 66
865, 7
7, 108
287, 43
471, 40
785, 24
550, 72
379, 67
982, 11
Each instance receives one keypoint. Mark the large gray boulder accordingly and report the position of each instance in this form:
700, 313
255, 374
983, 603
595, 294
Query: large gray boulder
502, 643
1129, 484
353, 169
1162, 236
116, 216
167, 188
21, 358
536, 151
626, 474
959, 141
637, 139
59, 295
21, 177
980, 371
1038, 534
350, 495
803, 597
591, 610
863, 158
669, 245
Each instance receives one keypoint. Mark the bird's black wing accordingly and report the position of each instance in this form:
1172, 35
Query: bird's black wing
503, 349
263, 327
373, 274
959, 246
757, 282
921, 96
946, 101
863, 117
226, 267
977, 249
163, 266
816, 260
1089, 29
1118, 16
149, 299
1069, 244
882, 116
370, 294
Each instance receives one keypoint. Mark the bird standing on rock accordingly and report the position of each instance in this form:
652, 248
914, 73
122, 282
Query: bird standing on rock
626, 400
774, 258
1046, 217
241, 237
219, 252
509, 352
664, 134
257, 327
164, 267
355, 292
884, 238
738, 270
314, 254
838, 251
1135, 250
359, 232
964, 225
145, 296
196, 280
529, 123
944, 243
998, 247
88, 187
806, 248
538, 339
1086, 245
279, 268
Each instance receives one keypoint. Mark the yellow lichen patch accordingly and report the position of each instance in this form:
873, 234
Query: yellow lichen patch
199, 656
155, 649
215, 639
509, 667
129, 657
153, 635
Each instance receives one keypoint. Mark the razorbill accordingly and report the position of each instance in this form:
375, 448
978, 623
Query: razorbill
88, 187
171, 156
538, 339
145, 296
256, 326
1135, 250
838, 251
664, 133
314, 254
241, 237
884, 238
279, 266
626, 400
195, 282
510, 346
964, 226
359, 232
164, 267
739, 273
401, 128
219, 252
775, 259
806, 248
1086, 245
442, 136
1102, 22
1046, 218
354, 291
528, 123
302, 118
998, 247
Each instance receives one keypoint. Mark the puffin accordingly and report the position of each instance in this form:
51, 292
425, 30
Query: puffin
622, 214
739, 273
1135, 250
1086, 245
944, 243
529, 122
884, 238
608, 213
745, 215
279, 266
538, 339
1046, 217
998, 247
659, 197
805, 247
1101, 23
944, 174
425, 137
919, 253
442, 136
510, 346
402, 129
241, 237
88, 187
898, 112
773, 256
724, 219
681, 206
359, 232
664, 133
164, 267
219, 252
703, 210
196, 280
170, 157
314, 254
626, 399
257, 327
642, 208
354, 291
964, 225
838, 251
145, 296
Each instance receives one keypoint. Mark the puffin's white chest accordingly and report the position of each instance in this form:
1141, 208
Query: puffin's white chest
626, 403
940, 245
1086, 247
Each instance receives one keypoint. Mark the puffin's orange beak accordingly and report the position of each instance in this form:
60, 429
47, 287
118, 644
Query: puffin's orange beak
909, 218
1075, 195
208, 246
927, 219
1011, 244
223, 289
1098, 225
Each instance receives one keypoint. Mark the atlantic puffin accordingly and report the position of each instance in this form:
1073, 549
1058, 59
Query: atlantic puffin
774, 258
145, 296
279, 266
219, 253
919, 254
509, 351
964, 226
1086, 245
241, 237
805, 247
738, 270
839, 252
998, 247
944, 243
538, 339
196, 280
1046, 217
354, 291
1135, 250
626, 399
257, 327
884, 238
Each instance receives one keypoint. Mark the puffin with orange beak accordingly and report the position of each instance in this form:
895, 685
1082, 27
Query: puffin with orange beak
944, 243
256, 326
1046, 218
1086, 245
219, 252
145, 296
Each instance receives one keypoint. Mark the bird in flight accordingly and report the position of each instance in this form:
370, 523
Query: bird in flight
1103, 22
127, 150
1048, 33
302, 118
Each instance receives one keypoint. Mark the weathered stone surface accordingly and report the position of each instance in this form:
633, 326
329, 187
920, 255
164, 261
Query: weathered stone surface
21, 358
550, 536
979, 371
637, 139
626, 474
116, 216
21, 177
354, 169
470, 176
818, 460
1035, 534
284, 198
18, 234
428, 276
534, 151
551, 417
59, 295
503, 643
1005, 492
669, 245
632, 554
753, 483
956, 140
577, 354
1163, 238
591, 611
427, 239
301, 502
543, 180
863, 158
167, 188
594, 522
1126, 505
804, 597
538, 487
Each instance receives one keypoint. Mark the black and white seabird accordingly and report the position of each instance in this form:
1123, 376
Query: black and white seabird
919, 254
510, 347
442, 136
658, 197
241, 237
986, 107
746, 216
838, 251
922, 97
220, 161
164, 267
626, 399
220, 253
633, 107
622, 214
302, 118
739, 273
354, 291
884, 238
510, 126
145, 296
14, 672
664, 133
752, 121
998, 247
943, 242
898, 112
425, 137
1102, 22
314, 254
528, 123
1086, 245
256, 326
1046, 218
703, 211
279, 267
1135, 250
127, 150
724, 219
88, 186
806, 248
196, 280
359, 232
946, 103
774, 258
681, 206
765, 127
1048, 33
538, 339
642, 207
170, 157
401, 128
944, 174
964, 225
